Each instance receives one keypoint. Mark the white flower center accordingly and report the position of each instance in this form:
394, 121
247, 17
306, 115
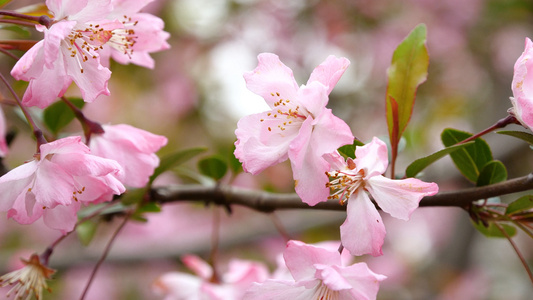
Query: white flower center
84, 44
324, 293
346, 182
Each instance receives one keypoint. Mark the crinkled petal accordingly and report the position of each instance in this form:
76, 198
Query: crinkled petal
372, 158
330, 276
92, 81
300, 258
399, 198
53, 38
364, 282
15, 183
68, 144
329, 72
363, 231
272, 80
525, 111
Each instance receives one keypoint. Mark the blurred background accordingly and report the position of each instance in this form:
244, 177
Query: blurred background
196, 94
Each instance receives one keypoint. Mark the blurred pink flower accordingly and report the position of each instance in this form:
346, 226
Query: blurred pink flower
133, 148
68, 52
363, 231
298, 127
318, 274
522, 87
3, 129
141, 35
29, 280
55, 183
231, 286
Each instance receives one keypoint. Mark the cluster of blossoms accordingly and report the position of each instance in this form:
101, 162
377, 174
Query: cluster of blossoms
78, 43
309, 272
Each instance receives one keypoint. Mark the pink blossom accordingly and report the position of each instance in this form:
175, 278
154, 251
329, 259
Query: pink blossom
318, 274
363, 231
134, 149
68, 52
298, 126
55, 183
522, 87
3, 130
205, 285
141, 35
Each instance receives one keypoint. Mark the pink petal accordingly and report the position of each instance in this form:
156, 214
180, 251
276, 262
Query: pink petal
524, 111
258, 148
308, 167
53, 38
93, 81
372, 158
62, 218
53, 185
272, 80
364, 282
399, 198
314, 98
300, 258
363, 231
329, 72
331, 277
15, 184
128, 7
178, 286
71, 144
198, 266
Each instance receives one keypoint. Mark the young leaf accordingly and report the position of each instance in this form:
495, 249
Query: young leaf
349, 150
528, 137
173, 160
86, 231
493, 172
408, 70
420, 164
520, 205
471, 159
59, 115
493, 231
213, 167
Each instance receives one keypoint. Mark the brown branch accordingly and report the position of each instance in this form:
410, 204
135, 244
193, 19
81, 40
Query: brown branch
268, 202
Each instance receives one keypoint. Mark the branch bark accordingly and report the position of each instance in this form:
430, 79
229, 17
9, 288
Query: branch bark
268, 202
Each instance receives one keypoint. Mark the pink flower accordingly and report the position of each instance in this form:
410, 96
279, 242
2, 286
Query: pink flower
298, 126
55, 183
69, 52
363, 231
318, 274
204, 286
522, 87
141, 35
3, 128
134, 149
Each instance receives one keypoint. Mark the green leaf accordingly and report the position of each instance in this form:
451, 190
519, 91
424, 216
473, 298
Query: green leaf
175, 159
528, 137
86, 231
59, 115
213, 167
493, 172
493, 231
150, 207
349, 150
409, 69
520, 205
420, 164
471, 159
234, 164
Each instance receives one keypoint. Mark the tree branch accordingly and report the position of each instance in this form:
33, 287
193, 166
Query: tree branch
268, 202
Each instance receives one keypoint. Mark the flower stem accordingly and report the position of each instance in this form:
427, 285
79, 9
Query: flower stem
510, 119
43, 20
89, 126
36, 131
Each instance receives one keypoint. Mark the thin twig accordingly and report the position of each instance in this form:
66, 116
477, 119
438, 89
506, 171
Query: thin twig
104, 254
524, 263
